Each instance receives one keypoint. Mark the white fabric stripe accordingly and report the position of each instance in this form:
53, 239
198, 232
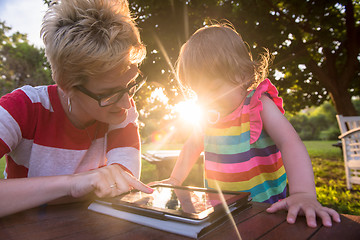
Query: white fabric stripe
129, 157
38, 94
49, 161
132, 116
21, 154
9, 129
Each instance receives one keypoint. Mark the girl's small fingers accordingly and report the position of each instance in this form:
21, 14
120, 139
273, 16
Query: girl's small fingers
325, 217
153, 183
277, 206
327, 214
292, 214
310, 215
335, 215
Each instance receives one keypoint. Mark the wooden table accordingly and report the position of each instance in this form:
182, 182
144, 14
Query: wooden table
74, 221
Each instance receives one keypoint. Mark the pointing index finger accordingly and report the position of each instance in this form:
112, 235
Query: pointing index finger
137, 184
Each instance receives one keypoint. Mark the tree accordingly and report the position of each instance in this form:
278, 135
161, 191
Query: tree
20, 62
316, 43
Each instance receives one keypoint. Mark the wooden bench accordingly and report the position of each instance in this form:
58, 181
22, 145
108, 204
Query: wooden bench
350, 139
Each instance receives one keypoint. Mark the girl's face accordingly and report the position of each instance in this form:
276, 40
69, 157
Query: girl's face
221, 96
113, 81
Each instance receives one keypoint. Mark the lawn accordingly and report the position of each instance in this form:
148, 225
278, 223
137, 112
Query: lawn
328, 171
330, 182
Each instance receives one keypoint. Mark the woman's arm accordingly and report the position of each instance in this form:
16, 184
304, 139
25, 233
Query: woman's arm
24, 193
298, 167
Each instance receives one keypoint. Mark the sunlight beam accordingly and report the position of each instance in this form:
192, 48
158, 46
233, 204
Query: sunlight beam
227, 210
163, 51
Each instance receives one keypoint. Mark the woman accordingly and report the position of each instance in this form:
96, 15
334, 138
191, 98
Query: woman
78, 137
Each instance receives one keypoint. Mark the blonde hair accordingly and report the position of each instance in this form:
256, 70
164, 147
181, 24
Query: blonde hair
87, 37
218, 52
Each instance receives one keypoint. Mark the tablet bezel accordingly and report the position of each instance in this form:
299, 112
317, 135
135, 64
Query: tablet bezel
242, 198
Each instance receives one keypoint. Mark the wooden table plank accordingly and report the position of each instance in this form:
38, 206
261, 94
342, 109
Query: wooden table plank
297, 231
348, 228
74, 221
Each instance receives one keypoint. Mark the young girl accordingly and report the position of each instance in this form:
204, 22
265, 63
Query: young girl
248, 144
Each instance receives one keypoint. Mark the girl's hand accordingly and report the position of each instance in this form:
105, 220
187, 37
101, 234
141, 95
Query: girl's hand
170, 181
109, 181
305, 204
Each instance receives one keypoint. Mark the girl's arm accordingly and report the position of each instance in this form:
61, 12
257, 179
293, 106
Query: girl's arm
187, 158
298, 167
24, 193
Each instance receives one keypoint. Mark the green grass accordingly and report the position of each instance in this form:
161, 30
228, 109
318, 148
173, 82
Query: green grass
2, 167
323, 149
329, 174
328, 169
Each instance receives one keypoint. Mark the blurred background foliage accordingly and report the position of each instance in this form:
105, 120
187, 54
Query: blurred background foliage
318, 123
316, 45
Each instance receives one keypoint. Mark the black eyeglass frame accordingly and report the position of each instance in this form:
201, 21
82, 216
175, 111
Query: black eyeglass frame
98, 97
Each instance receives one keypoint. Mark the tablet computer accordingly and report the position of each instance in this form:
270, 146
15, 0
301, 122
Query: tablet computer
185, 204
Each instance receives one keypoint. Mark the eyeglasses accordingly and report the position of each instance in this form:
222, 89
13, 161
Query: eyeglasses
110, 99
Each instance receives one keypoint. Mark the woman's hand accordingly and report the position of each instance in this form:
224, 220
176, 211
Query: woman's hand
305, 204
107, 181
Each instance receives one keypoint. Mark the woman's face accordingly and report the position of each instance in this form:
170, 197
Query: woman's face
105, 84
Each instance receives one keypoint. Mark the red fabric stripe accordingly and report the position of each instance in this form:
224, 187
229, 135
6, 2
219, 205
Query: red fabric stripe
53, 135
243, 118
4, 148
77, 139
20, 107
15, 171
244, 176
124, 137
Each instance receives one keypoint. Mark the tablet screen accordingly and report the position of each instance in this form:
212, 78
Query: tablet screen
191, 203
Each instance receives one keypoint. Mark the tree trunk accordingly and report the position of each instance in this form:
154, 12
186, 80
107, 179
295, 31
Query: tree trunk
336, 86
342, 101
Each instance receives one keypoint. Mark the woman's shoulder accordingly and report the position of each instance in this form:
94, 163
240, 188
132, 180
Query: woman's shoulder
35, 94
41, 95
27, 98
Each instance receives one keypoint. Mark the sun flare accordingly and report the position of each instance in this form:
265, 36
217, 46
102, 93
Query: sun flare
189, 111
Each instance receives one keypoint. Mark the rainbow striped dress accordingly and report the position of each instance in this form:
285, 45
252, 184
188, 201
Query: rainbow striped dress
240, 155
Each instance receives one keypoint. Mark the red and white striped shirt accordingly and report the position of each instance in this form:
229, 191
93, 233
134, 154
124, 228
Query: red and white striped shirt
39, 140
